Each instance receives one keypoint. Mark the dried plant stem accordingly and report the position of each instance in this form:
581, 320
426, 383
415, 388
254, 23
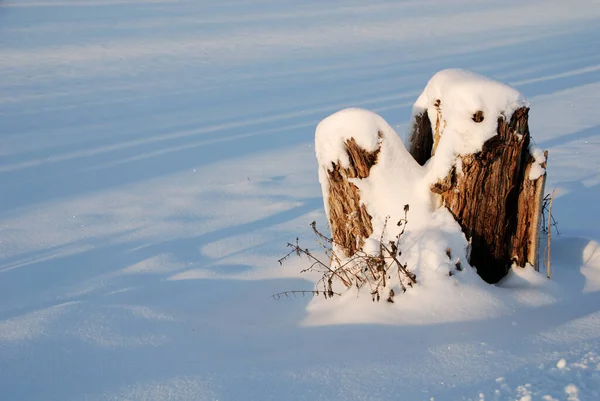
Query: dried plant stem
401, 267
549, 235
356, 270
294, 293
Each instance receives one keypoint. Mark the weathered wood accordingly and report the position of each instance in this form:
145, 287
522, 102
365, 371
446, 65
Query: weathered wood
493, 200
421, 139
526, 241
348, 218
440, 124
424, 138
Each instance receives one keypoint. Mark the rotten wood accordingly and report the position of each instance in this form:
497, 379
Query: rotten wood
440, 124
421, 139
424, 139
348, 218
493, 200
526, 241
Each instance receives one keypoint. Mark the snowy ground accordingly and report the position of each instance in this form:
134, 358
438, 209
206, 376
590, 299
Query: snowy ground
156, 156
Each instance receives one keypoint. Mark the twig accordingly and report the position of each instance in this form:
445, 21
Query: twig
318, 233
294, 293
547, 215
408, 273
549, 234
306, 252
357, 270
403, 222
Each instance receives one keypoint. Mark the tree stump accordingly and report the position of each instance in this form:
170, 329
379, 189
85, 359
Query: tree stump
491, 197
483, 171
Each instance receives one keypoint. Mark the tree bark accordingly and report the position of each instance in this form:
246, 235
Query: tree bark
526, 242
421, 141
348, 218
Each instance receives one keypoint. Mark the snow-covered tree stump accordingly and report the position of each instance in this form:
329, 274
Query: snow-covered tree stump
494, 191
495, 202
367, 176
469, 152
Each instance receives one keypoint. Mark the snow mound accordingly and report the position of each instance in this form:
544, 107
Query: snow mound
537, 170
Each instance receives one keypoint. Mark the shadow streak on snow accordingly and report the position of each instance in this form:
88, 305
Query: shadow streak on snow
575, 136
99, 269
576, 212
170, 149
240, 343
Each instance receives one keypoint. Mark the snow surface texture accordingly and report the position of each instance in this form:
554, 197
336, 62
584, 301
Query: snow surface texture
155, 156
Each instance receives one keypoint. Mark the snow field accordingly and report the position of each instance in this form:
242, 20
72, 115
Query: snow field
156, 156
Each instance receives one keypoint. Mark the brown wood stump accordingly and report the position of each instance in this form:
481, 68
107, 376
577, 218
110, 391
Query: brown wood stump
492, 197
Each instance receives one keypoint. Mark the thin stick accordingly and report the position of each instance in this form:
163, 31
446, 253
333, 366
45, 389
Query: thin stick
549, 234
409, 274
303, 293
306, 252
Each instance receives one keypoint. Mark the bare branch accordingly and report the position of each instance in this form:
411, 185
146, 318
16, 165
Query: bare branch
295, 293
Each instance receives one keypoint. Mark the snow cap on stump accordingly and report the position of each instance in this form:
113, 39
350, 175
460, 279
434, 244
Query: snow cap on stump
391, 180
463, 110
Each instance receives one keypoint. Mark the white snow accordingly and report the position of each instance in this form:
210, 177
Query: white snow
361, 125
156, 156
462, 93
451, 99
394, 181
537, 170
